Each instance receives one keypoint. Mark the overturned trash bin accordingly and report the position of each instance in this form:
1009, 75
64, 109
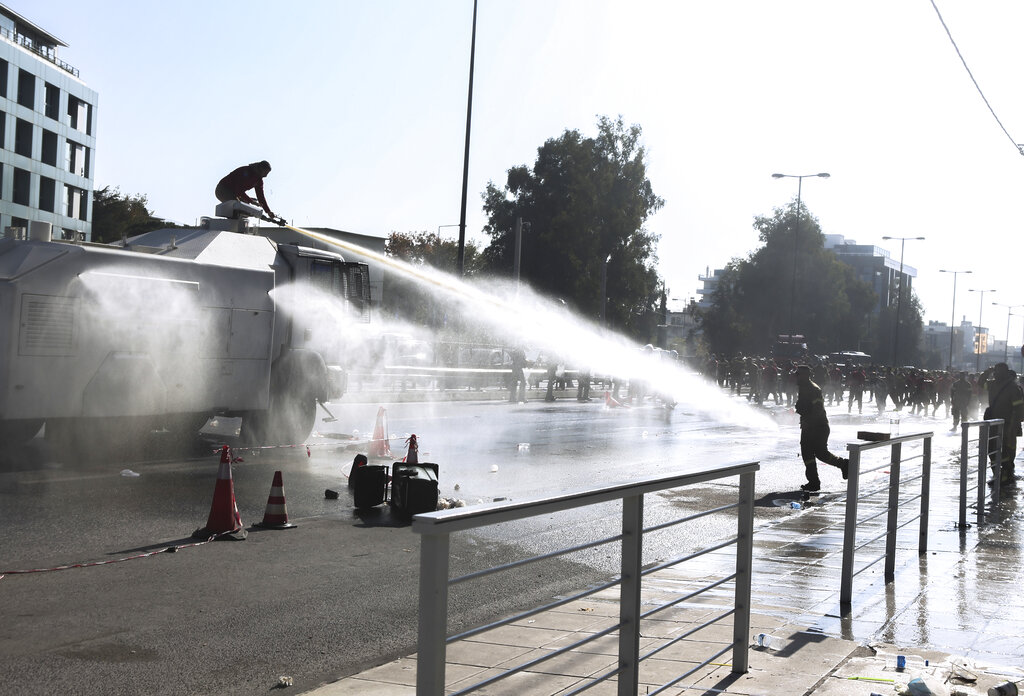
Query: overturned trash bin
413, 488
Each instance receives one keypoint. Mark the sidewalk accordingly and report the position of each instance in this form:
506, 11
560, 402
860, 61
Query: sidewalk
960, 604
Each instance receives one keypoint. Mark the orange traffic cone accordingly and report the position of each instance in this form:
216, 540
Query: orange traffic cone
276, 516
413, 457
379, 446
224, 520
610, 402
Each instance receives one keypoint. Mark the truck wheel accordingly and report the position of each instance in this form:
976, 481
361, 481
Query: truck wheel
288, 421
18, 432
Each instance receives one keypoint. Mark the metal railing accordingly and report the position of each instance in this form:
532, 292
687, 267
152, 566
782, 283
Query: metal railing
435, 529
989, 440
31, 45
891, 509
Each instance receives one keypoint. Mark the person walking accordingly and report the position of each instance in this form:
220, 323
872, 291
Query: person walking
814, 431
960, 394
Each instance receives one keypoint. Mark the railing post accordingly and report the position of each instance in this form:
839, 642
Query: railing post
744, 561
850, 526
926, 487
433, 615
629, 594
964, 442
997, 470
983, 433
894, 509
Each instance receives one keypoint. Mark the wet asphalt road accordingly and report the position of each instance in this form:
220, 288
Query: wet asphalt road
338, 593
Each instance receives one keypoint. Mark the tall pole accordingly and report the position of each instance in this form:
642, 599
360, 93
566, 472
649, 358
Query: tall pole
796, 247
796, 237
952, 318
899, 298
1009, 313
465, 162
604, 291
977, 331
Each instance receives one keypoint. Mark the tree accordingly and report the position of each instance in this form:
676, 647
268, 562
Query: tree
910, 328
791, 285
116, 215
584, 205
405, 298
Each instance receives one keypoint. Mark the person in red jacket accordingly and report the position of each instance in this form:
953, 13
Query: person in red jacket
249, 176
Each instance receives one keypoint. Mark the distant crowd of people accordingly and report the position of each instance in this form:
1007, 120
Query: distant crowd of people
996, 392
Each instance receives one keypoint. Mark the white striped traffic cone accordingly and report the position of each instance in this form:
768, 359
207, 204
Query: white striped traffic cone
276, 515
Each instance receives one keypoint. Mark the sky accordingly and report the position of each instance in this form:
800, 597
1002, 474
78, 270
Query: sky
360, 107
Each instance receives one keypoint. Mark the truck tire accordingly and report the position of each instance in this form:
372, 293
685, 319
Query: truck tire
288, 421
17, 432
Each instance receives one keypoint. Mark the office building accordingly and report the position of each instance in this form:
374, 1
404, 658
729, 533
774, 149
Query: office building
47, 133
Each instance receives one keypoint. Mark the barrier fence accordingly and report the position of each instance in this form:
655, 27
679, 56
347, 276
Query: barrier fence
891, 510
989, 440
435, 529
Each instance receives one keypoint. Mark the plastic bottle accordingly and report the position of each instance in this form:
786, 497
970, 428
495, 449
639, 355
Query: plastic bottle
795, 505
766, 640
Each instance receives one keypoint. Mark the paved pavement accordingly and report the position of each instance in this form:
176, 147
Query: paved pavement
956, 611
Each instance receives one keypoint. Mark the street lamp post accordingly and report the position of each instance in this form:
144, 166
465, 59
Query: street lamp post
796, 234
1009, 313
604, 290
981, 306
952, 318
899, 299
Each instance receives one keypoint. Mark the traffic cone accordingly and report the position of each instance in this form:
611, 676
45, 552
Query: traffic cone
224, 520
609, 402
379, 446
413, 457
276, 516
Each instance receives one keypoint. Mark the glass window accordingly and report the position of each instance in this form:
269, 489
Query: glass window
23, 138
3, 78
49, 154
26, 89
52, 101
76, 204
75, 158
47, 189
22, 186
77, 113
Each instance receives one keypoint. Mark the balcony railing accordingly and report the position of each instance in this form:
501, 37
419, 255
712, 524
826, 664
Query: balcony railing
26, 42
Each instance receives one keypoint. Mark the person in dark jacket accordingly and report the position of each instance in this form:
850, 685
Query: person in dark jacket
1006, 401
814, 430
250, 176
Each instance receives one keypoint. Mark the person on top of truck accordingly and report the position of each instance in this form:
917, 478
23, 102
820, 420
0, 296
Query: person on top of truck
250, 176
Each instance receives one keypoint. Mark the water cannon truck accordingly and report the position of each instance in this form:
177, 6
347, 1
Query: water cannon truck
103, 342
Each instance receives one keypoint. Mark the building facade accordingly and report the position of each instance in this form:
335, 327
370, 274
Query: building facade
47, 133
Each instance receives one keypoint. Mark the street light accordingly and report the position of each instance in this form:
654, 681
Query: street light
796, 234
981, 306
1009, 313
899, 298
952, 318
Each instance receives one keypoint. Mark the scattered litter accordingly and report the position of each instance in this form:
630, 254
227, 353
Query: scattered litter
643, 435
925, 686
457, 486
587, 609
795, 505
524, 446
500, 498
282, 682
961, 668
494, 468
129, 473
459, 503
